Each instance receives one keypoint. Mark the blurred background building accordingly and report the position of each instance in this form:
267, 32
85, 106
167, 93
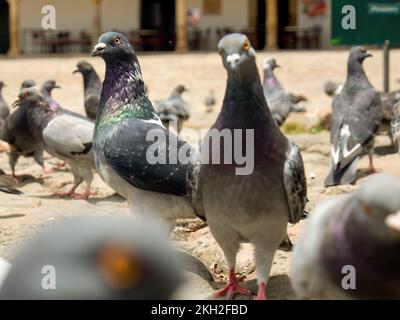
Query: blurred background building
164, 25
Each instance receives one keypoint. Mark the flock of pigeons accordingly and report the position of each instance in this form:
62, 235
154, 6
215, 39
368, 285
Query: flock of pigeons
360, 229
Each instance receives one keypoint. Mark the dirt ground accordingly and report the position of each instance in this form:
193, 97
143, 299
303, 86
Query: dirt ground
302, 72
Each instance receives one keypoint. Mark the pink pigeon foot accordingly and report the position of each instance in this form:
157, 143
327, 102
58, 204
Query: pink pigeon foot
232, 287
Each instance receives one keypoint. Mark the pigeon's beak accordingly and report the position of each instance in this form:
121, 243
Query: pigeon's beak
393, 221
57, 87
16, 103
98, 49
75, 71
233, 61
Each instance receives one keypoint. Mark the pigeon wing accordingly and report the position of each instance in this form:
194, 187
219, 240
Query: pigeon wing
295, 183
69, 136
140, 161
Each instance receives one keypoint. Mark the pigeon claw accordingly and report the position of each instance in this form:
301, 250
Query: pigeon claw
83, 196
232, 288
63, 194
261, 292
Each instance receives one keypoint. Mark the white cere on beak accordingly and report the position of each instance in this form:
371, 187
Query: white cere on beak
233, 60
100, 46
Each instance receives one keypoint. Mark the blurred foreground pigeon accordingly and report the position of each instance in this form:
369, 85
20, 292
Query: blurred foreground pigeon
91, 86
94, 257
174, 109
356, 119
134, 153
332, 88
250, 198
4, 109
63, 136
210, 101
8, 184
17, 134
279, 102
46, 90
349, 248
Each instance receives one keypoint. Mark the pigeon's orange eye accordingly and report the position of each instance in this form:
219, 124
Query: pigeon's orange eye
117, 41
246, 45
26, 94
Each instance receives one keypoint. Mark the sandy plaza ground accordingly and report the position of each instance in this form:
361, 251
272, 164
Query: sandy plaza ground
301, 73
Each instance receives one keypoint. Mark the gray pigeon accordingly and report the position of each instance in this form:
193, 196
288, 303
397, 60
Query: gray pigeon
388, 101
352, 242
280, 103
4, 109
29, 83
395, 126
210, 101
174, 109
95, 258
356, 119
255, 203
63, 136
16, 133
46, 90
127, 156
91, 86
332, 88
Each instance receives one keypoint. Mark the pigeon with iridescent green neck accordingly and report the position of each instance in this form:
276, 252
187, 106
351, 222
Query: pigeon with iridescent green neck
134, 153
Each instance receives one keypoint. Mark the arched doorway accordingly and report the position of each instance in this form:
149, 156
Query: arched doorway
4, 31
158, 24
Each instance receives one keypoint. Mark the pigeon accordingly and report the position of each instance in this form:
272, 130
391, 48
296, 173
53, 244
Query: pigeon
395, 126
354, 236
4, 109
29, 83
210, 101
251, 204
280, 103
63, 136
389, 101
94, 257
126, 155
46, 90
356, 119
332, 88
17, 134
174, 109
8, 184
297, 98
92, 88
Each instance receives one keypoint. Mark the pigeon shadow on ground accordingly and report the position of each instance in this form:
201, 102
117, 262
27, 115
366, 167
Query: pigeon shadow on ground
27, 179
278, 288
385, 150
114, 198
